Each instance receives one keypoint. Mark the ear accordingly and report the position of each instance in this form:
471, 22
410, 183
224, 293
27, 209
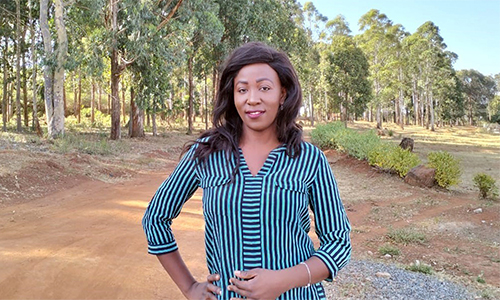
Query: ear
283, 95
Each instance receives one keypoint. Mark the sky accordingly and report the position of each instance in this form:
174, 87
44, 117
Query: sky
470, 28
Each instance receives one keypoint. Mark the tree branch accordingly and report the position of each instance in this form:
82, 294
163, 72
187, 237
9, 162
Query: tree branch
172, 12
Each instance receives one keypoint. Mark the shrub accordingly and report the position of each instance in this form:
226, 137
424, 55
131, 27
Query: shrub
447, 168
336, 136
486, 185
406, 236
389, 249
421, 268
394, 158
365, 146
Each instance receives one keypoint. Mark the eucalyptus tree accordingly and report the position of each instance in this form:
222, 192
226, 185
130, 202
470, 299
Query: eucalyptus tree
396, 72
347, 70
55, 51
375, 42
203, 28
478, 91
313, 25
7, 32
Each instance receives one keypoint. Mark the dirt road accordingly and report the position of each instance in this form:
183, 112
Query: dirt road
87, 243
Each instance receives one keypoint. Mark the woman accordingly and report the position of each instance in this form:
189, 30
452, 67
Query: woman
258, 179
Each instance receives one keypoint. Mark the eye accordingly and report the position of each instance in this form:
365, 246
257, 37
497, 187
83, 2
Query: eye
242, 90
265, 88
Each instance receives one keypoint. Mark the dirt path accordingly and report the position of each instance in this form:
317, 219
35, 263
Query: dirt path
87, 242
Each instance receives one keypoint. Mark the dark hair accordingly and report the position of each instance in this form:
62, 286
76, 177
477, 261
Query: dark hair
227, 124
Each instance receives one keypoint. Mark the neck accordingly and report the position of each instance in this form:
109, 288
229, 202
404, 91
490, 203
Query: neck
259, 139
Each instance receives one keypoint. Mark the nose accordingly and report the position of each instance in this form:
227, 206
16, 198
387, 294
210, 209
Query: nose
253, 97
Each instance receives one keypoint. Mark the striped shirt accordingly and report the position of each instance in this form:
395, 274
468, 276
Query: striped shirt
259, 221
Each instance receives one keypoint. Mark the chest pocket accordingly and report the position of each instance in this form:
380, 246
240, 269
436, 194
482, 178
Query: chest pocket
216, 196
291, 197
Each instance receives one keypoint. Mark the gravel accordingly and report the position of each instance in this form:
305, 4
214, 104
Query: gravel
362, 279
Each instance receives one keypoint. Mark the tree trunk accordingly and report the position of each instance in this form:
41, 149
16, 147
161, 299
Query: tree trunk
79, 102
431, 110
54, 78
312, 106
4, 88
124, 89
191, 100
18, 67
99, 97
35, 123
92, 104
153, 121
115, 75
136, 123
206, 103
25, 89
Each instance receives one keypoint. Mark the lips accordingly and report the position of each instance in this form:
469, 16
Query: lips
253, 114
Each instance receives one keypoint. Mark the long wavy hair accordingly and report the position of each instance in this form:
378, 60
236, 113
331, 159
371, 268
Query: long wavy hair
227, 124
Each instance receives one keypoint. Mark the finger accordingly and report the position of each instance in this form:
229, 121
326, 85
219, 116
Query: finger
245, 274
239, 291
213, 277
209, 296
213, 289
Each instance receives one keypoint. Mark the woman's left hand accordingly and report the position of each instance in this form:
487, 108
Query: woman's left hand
258, 284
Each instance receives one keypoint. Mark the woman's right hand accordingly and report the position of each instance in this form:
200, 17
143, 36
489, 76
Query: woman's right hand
204, 290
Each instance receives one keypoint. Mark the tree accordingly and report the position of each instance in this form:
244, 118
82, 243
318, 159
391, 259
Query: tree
55, 58
347, 70
478, 91
375, 43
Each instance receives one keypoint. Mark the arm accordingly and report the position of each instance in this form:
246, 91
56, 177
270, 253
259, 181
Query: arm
269, 284
174, 265
330, 220
165, 206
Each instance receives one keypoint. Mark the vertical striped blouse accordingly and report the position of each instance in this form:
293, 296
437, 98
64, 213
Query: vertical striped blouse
259, 221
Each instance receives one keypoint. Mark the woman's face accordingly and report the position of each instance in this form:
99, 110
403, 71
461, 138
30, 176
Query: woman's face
258, 95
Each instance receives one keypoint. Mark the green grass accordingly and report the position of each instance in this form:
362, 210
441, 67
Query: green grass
406, 236
421, 268
389, 249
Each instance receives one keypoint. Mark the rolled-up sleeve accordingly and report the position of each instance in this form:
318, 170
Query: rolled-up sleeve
331, 222
167, 203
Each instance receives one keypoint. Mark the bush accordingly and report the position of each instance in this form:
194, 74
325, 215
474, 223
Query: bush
389, 249
486, 185
421, 268
365, 146
393, 158
336, 136
406, 236
447, 168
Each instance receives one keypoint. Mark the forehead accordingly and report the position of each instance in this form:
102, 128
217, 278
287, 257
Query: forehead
258, 71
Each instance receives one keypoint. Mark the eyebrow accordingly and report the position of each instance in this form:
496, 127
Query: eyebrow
258, 80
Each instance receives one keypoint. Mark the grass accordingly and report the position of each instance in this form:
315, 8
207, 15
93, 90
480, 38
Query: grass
389, 249
421, 268
406, 236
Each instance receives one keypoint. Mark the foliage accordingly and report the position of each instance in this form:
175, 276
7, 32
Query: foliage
83, 144
447, 168
394, 158
389, 249
406, 236
365, 146
421, 268
336, 136
486, 185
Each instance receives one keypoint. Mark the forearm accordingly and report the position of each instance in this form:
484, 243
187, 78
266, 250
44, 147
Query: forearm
174, 265
298, 276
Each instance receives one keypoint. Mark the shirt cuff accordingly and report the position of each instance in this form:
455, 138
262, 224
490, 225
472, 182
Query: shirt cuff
329, 263
162, 249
